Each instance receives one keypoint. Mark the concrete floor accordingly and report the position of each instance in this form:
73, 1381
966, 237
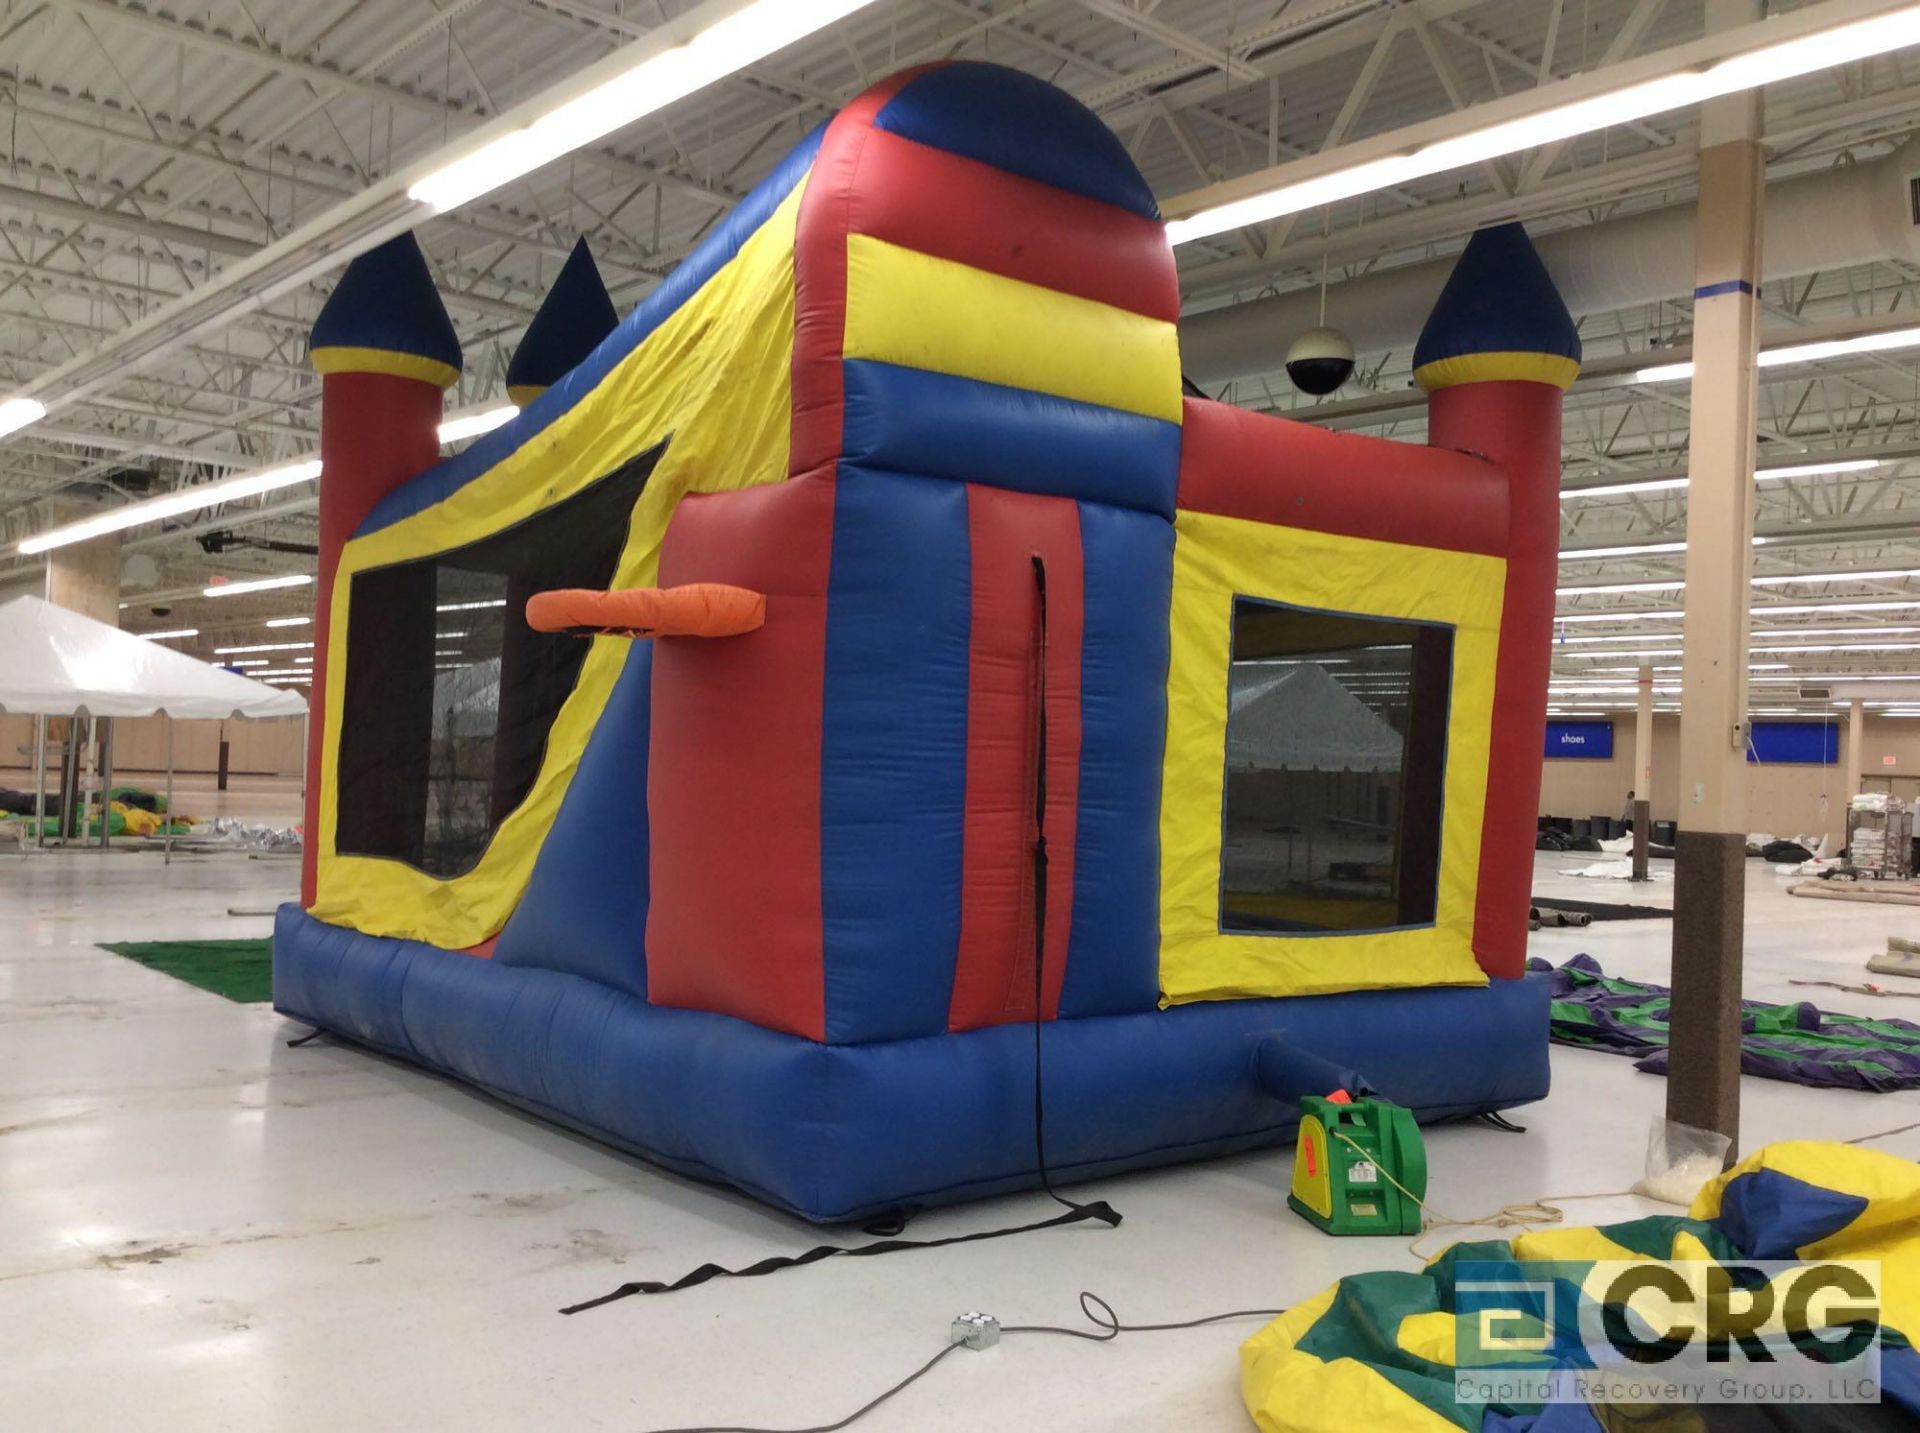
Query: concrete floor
203, 1229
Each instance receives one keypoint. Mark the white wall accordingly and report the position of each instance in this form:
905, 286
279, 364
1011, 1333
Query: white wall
1786, 800
262, 748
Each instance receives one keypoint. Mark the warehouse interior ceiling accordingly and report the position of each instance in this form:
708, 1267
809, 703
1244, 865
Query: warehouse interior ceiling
148, 147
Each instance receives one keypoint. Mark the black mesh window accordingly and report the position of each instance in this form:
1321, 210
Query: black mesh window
449, 694
1336, 754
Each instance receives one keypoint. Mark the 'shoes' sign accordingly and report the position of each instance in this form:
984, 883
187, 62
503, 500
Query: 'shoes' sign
1681, 1332
1592, 740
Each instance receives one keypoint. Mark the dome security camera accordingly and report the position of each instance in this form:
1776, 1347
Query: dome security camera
1320, 360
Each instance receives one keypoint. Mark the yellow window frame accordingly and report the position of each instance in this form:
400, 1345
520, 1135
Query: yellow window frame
1215, 560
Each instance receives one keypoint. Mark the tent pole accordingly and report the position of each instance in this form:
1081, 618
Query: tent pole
39, 781
106, 781
167, 815
69, 778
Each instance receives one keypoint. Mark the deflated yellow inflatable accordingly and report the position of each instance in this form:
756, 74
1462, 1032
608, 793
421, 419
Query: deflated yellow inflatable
1377, 1351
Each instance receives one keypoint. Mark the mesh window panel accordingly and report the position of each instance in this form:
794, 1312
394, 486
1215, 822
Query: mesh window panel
449, 694
1336, 753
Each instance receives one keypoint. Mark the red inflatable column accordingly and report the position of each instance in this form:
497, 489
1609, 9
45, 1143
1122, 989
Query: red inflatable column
1495, 358
386, 352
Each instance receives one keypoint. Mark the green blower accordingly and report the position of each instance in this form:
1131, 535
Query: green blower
1359, 1166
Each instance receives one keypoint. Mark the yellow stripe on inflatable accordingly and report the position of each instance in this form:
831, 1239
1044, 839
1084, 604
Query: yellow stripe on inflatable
715, 378
909, 308
341, 359
1216, 559
1288, 1391
521, 394
1552, 368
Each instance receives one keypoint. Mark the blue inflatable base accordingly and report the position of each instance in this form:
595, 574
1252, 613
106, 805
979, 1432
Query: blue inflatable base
836, 1132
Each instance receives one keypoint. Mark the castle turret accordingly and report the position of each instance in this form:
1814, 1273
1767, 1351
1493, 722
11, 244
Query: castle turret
1496, 358
386, 351
573, 318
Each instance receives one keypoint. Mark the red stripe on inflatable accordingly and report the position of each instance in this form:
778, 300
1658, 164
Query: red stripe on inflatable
1247, 465
820, 277
960, 209
482, 951
376, 431
1518, 426
993, 971
733, 801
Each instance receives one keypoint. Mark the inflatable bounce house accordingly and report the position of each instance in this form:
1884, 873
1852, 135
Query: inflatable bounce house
866, 658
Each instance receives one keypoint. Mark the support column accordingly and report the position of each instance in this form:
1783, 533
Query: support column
1856, 781
1703, 1082
1643, 773
1856, 748
84, 577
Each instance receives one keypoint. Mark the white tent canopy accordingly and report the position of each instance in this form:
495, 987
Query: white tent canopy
58, 663
1301, 719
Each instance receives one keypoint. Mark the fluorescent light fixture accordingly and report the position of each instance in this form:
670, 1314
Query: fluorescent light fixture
1643, 549
1635, 616
1840, 347
263, 647
1772, 633
1762, 633
1664, 373
655, 80
1814, 470
1843, 647
1787, 579
286, 621
1763, 475
309, 661
227, 490
18, 413
248, 662
169, 636
471, 606
471, 425
450, 636
1673, 586
281, 672
258, 584
1783, 60
1796, 353
1618, 637
1615, 490
175, 504
1790, 609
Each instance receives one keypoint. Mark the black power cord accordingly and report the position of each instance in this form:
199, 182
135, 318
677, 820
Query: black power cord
1106, 1328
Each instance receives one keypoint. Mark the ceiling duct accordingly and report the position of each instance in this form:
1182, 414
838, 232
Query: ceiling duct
1851, 214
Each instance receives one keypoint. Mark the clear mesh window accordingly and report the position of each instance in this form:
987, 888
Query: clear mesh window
450, 695
1336, 753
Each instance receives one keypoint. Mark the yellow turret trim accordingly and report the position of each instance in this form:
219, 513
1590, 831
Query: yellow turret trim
382, 360
1552, 368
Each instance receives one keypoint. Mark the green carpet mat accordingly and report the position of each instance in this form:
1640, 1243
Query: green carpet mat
241, 970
